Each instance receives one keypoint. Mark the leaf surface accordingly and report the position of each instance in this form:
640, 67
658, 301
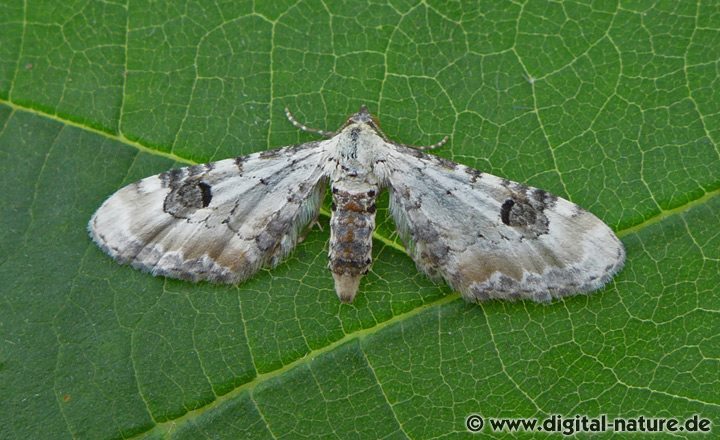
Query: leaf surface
614, 106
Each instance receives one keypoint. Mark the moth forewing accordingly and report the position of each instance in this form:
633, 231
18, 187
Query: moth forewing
219, 222
493, 238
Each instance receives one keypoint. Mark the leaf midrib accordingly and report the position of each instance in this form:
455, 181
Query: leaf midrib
360, 334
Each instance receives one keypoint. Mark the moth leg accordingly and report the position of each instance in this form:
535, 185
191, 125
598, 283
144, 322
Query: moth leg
305, 128
442, 142
315, 223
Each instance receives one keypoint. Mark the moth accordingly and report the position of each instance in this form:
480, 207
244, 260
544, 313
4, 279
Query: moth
486, 236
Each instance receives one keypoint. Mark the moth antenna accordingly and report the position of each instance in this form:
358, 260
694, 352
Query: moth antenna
305, 128
442, 142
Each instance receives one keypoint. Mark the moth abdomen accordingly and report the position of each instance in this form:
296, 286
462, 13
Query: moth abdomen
351, 227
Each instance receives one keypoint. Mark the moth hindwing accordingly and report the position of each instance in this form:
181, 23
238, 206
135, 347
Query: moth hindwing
485, 236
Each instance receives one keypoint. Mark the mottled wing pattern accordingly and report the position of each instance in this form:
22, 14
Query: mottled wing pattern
220, 221
492, 238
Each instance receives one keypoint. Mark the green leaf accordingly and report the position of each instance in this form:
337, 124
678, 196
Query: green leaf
614, 106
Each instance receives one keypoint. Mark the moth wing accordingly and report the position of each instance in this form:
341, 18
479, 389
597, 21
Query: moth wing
220, 221
492, 238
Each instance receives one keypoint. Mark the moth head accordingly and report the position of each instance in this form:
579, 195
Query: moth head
363, 117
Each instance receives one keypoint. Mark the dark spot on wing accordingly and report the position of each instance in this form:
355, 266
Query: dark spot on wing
505, 211
515, 187
186, 197
206, 194
445, 163
544, 198
525, 214
198, 169
577, 211
474, 174
172, 177
269, 154
239, 162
